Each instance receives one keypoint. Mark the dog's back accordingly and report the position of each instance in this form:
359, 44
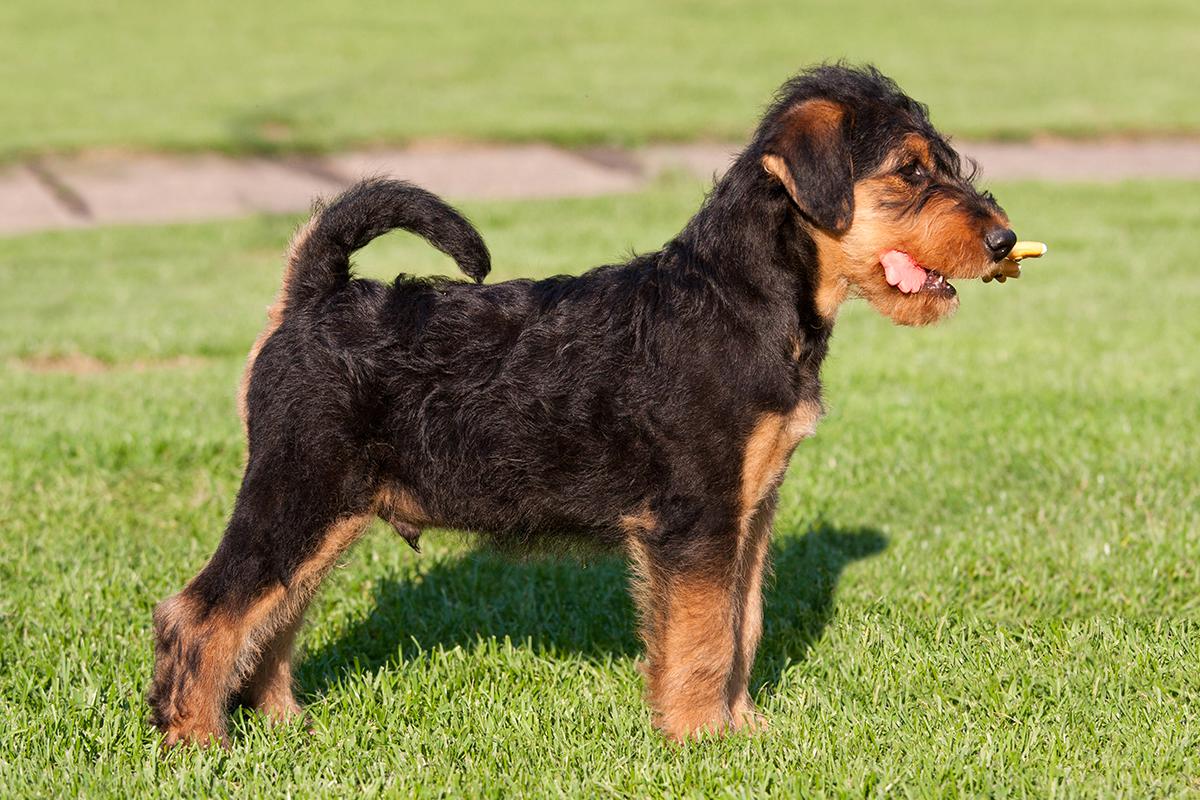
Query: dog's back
522, 409
655, 404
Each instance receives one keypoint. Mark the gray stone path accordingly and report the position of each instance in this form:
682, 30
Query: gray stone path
98, 189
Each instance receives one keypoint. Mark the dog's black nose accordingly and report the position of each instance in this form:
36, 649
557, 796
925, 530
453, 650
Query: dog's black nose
1000, 241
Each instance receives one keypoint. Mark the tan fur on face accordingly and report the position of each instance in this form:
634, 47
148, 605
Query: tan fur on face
942, 236
913, 146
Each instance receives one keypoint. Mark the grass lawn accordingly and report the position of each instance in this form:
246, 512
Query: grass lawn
986, 561
260, 76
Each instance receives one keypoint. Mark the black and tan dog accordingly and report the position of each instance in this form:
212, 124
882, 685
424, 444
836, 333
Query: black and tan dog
650, 406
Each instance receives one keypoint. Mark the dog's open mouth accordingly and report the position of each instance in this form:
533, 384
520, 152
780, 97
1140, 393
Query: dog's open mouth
904, 273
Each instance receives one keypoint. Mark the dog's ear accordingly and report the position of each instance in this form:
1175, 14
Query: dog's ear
809, 154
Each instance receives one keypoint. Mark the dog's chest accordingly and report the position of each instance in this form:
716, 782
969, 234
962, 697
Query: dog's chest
769, 448
801, 422
776, 434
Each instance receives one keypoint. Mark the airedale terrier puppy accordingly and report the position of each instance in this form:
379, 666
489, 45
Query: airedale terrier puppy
650, 406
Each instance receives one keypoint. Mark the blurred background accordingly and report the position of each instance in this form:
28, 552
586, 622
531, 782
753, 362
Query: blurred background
985, 579
87, 86
274, 76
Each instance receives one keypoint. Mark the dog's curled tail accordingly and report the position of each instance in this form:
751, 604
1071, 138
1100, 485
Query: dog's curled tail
318, 261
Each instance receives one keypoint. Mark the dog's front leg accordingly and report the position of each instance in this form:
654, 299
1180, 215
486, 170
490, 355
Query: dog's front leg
752, 565
688, 599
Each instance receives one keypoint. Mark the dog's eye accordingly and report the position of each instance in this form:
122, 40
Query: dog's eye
912, 171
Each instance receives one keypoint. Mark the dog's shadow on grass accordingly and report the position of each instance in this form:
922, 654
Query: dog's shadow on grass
565, 606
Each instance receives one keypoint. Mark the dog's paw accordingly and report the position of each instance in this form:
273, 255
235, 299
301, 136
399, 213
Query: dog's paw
746, 718
201, 737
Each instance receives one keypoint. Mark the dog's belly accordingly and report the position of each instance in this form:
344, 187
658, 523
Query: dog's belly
517, 474
518, 517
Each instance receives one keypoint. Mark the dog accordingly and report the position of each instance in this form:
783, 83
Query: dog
649, 407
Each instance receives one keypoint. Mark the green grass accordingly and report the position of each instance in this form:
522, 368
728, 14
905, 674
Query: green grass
275, 75
986, 561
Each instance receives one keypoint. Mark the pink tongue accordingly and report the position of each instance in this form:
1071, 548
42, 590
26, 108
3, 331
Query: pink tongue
902, 272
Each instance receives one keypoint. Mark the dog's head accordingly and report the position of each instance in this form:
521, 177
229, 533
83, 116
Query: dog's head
886, 199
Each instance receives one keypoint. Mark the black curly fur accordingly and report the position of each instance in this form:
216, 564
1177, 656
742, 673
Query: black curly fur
547, 411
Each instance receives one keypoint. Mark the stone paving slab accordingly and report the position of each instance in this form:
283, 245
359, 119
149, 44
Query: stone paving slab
116, 188
160, 188
702, 160
1100, 161
490, 173
26, 204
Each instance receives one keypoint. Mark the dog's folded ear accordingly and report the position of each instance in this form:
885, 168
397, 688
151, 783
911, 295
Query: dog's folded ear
808, 151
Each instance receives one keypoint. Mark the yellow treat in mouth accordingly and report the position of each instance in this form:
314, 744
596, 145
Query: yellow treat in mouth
1027, 250
1009, 268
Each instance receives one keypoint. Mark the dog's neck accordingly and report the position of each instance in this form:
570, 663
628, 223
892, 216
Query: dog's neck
748, 239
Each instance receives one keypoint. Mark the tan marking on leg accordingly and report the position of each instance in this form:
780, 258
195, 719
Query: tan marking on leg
337, 540
767, 452
214, 653
802, 423
753, 565
643, 588
635, 526
761, 460
638, 523
204, 670
689, 657
269, 689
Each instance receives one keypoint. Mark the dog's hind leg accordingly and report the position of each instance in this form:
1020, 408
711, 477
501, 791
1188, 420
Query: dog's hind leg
283, 536
269, 688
